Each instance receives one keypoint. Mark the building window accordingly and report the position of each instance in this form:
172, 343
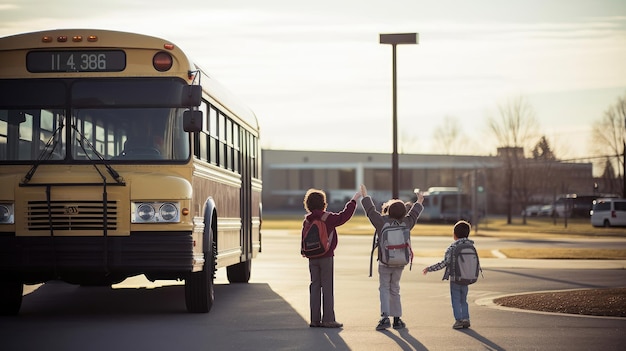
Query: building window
382, 179
347, 179
306, 178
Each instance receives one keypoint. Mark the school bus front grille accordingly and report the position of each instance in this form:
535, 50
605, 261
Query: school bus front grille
71, 215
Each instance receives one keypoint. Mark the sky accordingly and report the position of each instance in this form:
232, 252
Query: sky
317, 77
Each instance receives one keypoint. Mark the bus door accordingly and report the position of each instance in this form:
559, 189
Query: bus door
245, 161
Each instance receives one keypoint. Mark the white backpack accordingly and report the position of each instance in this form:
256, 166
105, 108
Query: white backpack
394, 245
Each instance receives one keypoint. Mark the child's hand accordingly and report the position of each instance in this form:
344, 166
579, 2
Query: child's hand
425, 271
420, 197
356, 196
363, 190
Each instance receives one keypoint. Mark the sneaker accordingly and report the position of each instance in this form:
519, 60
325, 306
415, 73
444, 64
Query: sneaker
332, 324
398, 323
466, 323
383, 324
458, 324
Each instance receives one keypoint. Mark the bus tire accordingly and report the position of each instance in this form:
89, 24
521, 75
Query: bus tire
10, 297
199, 289
240, 272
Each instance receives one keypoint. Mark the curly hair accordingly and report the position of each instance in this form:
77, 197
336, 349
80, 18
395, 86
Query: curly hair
395, 208
314, 199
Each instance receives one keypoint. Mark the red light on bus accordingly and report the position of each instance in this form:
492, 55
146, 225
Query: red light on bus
168, 46
62, 38
185, 211
92, 38
77, 38
162, 61
46, 39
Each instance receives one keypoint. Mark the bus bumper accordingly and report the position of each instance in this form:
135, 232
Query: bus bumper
38, 259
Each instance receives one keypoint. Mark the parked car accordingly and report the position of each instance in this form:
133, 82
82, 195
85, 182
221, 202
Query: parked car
546, 211
531, 211
574, 205
608, 213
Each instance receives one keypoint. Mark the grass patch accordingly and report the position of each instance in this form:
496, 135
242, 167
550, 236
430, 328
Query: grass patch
564, 253
534, 228
439, 253
360, 225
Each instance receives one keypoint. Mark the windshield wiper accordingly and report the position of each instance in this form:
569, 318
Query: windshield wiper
45, 154
82, 141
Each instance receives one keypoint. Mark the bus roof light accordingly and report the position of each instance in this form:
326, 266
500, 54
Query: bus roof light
92, 38
46, 39
168, 46
77, 38
62, 38
162, 61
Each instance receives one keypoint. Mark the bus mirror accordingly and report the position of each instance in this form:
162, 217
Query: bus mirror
192, 121
192, 95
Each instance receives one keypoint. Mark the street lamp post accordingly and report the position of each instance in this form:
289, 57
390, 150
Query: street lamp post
394, 40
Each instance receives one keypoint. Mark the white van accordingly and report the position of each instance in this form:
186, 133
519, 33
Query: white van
608, 213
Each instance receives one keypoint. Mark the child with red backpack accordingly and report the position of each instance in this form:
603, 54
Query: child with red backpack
321, 267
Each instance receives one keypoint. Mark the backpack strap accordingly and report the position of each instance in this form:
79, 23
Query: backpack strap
332, 233
374, 244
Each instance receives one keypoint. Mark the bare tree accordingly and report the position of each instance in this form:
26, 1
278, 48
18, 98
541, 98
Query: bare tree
516, 124
608, 135
447, 136
513, 127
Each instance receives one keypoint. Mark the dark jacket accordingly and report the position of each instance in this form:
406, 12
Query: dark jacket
334, 220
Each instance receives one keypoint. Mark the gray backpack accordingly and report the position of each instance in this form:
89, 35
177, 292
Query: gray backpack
465, 265
394, 245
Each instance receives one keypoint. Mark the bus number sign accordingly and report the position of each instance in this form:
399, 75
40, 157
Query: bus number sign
76, 61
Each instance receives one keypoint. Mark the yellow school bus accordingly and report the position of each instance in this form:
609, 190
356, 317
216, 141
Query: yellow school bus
119, 157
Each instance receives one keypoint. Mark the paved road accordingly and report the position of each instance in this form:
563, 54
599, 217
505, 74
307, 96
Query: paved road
271, 313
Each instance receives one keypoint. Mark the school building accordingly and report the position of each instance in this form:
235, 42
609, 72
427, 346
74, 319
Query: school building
288, 174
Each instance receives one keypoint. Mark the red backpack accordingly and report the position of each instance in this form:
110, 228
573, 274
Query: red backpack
315, 238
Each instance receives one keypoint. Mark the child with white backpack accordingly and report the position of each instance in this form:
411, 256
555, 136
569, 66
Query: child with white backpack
393, 252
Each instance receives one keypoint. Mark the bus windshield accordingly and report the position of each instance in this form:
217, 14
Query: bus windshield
120, 121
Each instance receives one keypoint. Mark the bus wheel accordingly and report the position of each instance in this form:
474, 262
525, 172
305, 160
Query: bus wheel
10, 297
240, 272
199, 291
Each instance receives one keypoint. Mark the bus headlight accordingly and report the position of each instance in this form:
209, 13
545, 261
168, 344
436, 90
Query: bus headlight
168, 211
145, 213
6, 213
155, 212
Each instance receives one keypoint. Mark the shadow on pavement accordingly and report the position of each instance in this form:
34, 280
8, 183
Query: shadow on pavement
244, 317
483, 340
405, 340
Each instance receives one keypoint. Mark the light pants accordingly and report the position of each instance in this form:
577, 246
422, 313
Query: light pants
389, 288
321, 289
458, 294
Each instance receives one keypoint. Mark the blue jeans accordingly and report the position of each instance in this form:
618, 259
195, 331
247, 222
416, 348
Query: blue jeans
458, 294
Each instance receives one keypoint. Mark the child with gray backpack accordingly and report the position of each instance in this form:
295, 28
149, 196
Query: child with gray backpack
392, 237
462, 269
